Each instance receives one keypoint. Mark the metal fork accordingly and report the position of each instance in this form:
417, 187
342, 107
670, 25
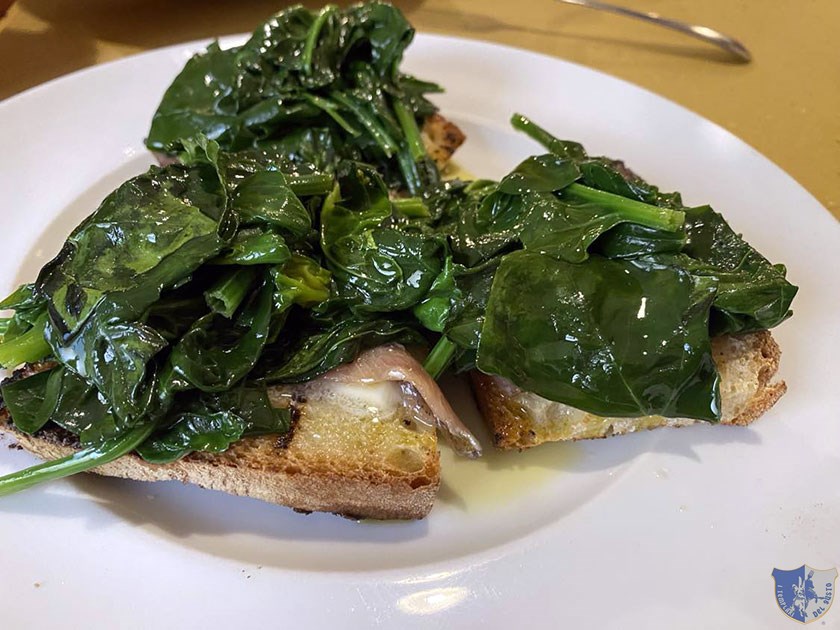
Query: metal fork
727, 43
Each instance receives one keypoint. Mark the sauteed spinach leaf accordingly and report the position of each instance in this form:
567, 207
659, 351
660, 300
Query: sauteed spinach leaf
170, 289
283, 244
752, 294
626, 338
329, 79
212, 422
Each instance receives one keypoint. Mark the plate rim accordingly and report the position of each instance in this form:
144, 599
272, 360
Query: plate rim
473, 561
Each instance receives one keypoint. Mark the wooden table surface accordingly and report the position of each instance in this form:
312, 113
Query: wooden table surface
786, 103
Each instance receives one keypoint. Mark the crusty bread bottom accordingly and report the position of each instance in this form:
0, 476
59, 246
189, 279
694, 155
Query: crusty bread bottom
518, 419
344, 455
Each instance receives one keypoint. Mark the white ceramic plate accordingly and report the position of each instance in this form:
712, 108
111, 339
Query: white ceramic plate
673, 528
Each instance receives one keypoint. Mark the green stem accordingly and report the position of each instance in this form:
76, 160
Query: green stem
227, 293
80, 461
308, 185
414, 150
531, 129
267, 248
632, 210
440, 357
408, 123
26, 348
411, 207
561, 148
380, 136
332, 110
312, 36
409, 170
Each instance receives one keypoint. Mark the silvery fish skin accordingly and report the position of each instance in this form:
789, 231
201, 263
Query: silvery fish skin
391, 362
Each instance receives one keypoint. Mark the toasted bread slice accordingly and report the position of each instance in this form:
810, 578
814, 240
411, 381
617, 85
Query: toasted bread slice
518, 419
441, 138
360, 451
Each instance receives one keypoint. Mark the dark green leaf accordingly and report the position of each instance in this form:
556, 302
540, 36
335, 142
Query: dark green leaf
306, 150
216, 353
540, 173
113, 355
194, 105
631, 240
488, 227
317, 351
265, 198
335, 72
146, 235
467, 316
387, 32
204, 431
30, 400
564, 229
613, 338
82, 410
60, 396
752, 293
29, 306
254, 246
149, 235
212, 422
434, 310
375, 268
385, 269
175, 313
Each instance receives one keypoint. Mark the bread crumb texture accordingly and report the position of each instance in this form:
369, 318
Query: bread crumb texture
344, 456
518, 419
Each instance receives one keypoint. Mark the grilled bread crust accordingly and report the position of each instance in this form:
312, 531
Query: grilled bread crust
518, 420
337, 458
441, 137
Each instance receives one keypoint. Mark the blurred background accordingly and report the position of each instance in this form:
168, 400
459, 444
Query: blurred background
786, 103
